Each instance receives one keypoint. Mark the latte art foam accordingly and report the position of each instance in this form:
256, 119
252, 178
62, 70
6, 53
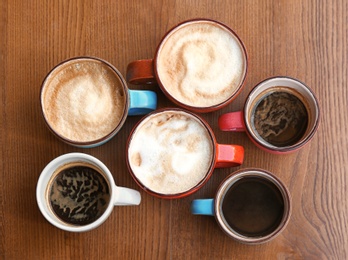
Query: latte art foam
83, 100
170, 152
201, 64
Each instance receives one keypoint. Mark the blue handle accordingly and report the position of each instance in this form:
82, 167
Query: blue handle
203, 207
141, 102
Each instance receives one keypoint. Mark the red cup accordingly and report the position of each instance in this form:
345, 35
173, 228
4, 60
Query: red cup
171, 153
200, 65
280, 115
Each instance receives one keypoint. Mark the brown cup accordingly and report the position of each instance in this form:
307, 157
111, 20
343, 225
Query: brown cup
280, 115
200, 65
252, 206
171, 153
85, 101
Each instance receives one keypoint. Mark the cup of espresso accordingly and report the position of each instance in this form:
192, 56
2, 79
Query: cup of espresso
280, 115
200, 65
251, 206
76, 192
85, 101
171, 153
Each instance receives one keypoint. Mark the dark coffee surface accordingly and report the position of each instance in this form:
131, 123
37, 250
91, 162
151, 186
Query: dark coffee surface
253, 207
280, 118
79, 195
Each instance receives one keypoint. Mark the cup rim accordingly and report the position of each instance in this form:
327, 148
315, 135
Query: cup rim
233, 178
45, 177
264, 144
202, 181
202, 109
99, 141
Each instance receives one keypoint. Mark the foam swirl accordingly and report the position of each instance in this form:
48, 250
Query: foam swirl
206, 64
83, 100
170, 152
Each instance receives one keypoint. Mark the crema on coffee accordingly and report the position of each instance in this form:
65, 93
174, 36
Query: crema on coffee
201, 63
280, 118
170, 152
78, 193
83, 100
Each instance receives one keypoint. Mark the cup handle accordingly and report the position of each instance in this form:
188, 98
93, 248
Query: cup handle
203, 207
233, 121
126, 196
141, 102
229, 155
141, 72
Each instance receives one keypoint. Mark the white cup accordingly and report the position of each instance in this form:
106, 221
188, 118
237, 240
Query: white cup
119, 196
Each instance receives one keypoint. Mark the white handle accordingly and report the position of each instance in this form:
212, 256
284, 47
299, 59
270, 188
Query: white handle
125, 196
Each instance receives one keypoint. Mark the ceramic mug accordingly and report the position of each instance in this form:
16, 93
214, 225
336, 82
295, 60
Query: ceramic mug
280, 115
76, 192
200, 65
251, 206
172, 153
85, 101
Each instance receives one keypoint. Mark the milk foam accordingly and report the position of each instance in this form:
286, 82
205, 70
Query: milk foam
170, 152
201, 64
83, 100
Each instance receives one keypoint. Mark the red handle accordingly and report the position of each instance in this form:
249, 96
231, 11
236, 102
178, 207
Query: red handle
141, 72
228, 155
233, 121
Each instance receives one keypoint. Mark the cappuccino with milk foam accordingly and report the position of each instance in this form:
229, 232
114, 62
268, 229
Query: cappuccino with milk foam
170, 152
201, 63
83, 100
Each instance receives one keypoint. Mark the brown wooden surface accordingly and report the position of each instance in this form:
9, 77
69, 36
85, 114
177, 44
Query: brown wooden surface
303, 39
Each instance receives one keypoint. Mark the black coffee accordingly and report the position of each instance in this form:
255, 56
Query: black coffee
79, 194
253, 207
280, 118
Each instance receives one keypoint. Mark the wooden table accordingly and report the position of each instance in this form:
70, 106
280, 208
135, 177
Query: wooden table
302, 39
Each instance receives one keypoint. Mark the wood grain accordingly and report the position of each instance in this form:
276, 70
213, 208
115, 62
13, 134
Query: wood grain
302, 39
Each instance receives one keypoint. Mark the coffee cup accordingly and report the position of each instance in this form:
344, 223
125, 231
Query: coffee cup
280, 115
251, 206
200, 65
172, 153
85, 101
76, 192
